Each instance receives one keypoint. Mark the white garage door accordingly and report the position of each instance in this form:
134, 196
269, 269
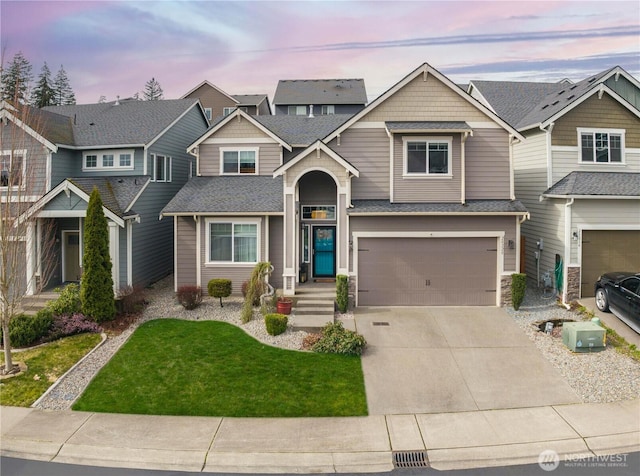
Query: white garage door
427, 271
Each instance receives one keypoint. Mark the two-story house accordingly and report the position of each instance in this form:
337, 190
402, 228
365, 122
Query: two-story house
319, 97
412, 197
134, 152
578, 173
216, 102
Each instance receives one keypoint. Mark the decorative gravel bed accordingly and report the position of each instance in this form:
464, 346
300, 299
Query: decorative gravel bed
596, 377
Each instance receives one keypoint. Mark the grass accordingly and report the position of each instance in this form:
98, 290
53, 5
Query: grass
210, 368
45, 364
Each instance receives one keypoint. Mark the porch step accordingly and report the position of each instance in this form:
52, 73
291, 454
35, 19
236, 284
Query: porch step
32, 304
311, 322
328, 310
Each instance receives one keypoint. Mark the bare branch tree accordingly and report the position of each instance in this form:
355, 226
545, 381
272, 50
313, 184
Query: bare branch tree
27, 243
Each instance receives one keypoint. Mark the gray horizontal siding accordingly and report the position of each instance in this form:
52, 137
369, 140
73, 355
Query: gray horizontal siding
276, 250
186, 253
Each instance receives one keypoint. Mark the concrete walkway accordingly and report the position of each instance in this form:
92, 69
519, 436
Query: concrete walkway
453, 359
320, 445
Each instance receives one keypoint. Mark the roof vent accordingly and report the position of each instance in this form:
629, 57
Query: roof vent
117, 103
310, 110
554, 103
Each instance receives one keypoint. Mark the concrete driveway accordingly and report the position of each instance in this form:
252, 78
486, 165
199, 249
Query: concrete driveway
453, 359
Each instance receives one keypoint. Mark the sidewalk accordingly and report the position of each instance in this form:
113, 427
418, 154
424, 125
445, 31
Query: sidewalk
320, 445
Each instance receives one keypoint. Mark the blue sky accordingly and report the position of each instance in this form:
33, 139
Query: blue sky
112, 48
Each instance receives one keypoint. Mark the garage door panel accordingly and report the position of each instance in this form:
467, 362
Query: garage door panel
427, 271
607, 250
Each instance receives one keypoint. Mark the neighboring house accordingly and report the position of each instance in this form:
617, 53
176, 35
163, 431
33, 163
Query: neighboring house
319, 97
134, 152
412, 198
216, 102
578, 173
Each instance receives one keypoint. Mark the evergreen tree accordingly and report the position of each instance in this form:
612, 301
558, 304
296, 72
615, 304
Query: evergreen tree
63, 92
152, 91
43, 93
16, 79
96, 285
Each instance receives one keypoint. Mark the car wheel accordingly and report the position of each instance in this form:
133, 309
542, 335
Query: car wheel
601, 300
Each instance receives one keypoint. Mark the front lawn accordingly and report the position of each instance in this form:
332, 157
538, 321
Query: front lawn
211, 368
45, 365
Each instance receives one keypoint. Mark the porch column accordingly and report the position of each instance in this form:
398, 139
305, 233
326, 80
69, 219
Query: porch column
289, 273
342, 238
115, 255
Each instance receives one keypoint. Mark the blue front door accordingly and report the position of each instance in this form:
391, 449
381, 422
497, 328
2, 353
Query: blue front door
324, 251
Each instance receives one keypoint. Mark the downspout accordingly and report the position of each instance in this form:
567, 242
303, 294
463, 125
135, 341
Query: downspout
390, 135
463, 164
512, 187
548, 130
567, 249
519, 223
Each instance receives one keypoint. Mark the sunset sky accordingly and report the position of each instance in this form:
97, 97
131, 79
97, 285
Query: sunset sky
113, 48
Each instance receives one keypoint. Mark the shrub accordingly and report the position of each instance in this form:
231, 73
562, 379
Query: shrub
310, 340
71, 324
255, 288
68, 301
189, 296
219, 288
518, 286
25, 329
276, 323
338, 340
131, 300
342, 292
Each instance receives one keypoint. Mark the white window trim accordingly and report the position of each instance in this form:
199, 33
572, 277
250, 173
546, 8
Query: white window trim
320, 219
330, 108
427, 139
256, 150
116, 160
597, 130
228, 110
167, 168
11, 153
208, 112
232, 221
298, 109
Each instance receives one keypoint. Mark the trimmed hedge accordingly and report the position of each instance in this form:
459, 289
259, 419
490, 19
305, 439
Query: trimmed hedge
518, 286
275, 323
219, 287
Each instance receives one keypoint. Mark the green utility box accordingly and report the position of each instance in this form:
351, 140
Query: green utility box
583, 336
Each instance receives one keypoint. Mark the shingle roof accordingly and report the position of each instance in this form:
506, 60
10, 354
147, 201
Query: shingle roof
228, 194
472, 206
302, 130
513, 100
130, 122
320, 91
624, 184
116, 193
249, 99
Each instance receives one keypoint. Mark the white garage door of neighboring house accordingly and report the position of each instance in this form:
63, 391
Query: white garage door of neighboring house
607, 250
427, 271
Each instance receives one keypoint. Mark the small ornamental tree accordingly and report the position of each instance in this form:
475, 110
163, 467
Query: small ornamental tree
96, 285
219, 288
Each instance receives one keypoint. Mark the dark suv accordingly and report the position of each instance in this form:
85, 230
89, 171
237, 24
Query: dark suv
619, 292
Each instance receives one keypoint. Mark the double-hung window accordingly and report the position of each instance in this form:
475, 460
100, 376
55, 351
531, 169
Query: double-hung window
601, 146
233, 241
12, 169
328, 109
161, 168
424, 156
297, 110
107, 160
239, 161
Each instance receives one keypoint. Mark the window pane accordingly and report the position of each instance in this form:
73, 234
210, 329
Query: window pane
602, 147
587, 147
245, 243
125, 160
15, 175
230, 162
5, 167
615, 148
107, 160
220, 242
160, 172
247, 162
91, 161
438, 158
416, 157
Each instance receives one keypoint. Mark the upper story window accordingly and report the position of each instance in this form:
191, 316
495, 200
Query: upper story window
425, 156
233, 241
327, 110
297, 110
12, 168
238, 161
601, 146
107, 160
208, 112
161, 168
228, 110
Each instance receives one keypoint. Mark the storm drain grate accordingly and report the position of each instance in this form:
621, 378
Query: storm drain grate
410, 459
380, 323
